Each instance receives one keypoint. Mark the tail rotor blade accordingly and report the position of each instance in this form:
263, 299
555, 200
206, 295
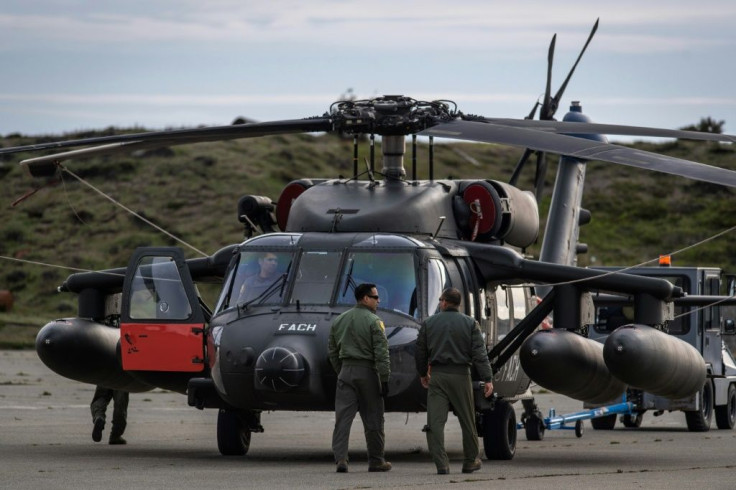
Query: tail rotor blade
520, 165
544, 113
555, 102
540, 174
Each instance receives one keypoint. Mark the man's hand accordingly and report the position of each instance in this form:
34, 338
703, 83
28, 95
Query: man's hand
425, 380
384, 389
488, 390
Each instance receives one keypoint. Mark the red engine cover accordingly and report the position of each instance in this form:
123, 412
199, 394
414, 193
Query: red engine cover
286, 199
485, 210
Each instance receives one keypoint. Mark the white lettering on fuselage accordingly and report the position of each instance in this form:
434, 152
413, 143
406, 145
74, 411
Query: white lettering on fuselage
510, 370
297, 327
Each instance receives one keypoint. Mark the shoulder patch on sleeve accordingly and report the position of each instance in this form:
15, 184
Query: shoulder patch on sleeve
380, 324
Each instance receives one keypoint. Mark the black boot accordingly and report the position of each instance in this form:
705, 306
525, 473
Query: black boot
116, 436
99, 425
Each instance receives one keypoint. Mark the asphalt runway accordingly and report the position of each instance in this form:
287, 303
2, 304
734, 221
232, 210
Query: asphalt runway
45, 442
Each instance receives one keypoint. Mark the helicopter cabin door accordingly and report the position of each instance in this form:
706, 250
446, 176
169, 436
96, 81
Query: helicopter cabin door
161, 324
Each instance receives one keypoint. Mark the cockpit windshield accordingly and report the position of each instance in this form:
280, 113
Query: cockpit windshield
259, 277
321, 277
392, 273
315, 278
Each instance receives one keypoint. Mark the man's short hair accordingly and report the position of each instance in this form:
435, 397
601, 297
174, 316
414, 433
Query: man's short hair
452, 296
363, 290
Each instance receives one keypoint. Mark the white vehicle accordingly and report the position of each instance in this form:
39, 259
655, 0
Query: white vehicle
697, 320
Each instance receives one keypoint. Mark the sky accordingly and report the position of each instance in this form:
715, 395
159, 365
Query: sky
70, 65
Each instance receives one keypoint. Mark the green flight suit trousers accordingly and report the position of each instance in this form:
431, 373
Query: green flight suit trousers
450, 390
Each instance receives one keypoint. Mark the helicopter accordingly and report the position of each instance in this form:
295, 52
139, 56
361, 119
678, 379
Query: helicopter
145, 325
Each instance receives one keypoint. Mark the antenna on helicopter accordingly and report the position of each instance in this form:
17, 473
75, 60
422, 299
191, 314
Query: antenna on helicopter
437, 231
370, 173
413, 157
355, 156
373, 154
431, 158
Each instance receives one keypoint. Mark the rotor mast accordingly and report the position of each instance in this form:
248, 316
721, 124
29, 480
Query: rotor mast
393, 149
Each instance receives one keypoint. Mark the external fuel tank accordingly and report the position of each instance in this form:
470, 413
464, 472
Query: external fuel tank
646, 358
569, 364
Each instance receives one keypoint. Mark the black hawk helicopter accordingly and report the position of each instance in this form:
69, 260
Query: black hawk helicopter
145, 325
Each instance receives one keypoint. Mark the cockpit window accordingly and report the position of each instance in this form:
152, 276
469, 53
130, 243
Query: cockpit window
315, 277
157, 291
392, 273
259, 278
437, 281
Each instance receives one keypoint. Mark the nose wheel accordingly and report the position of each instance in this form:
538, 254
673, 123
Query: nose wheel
233, 433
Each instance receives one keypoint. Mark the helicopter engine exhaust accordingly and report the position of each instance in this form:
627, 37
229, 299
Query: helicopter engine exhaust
569, 364
654, 361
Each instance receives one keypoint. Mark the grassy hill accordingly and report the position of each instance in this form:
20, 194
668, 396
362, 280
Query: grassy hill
192, 192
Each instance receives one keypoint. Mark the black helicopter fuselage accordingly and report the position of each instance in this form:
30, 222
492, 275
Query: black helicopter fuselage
270, 352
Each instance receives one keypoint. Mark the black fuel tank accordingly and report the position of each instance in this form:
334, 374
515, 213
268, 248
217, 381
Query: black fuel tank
569, 364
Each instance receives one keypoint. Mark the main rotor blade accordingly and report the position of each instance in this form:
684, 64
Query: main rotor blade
194, 135
563, 127
46, 166
582, 148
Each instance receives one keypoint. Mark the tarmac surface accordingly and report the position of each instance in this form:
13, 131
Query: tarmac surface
45, 442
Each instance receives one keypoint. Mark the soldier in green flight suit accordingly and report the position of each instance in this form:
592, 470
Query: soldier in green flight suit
450, 343
358, 351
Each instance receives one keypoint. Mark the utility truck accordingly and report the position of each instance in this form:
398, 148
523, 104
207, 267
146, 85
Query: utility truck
697, 320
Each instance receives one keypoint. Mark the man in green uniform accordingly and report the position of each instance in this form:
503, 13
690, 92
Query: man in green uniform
100, 400
451, 342
358, 352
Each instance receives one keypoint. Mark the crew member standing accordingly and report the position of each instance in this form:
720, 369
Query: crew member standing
451, 342
98, 407
358, 351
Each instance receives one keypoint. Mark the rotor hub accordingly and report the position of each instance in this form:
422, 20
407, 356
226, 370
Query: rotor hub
389, 115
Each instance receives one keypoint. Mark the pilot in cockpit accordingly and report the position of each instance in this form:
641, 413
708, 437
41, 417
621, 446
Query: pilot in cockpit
255, 284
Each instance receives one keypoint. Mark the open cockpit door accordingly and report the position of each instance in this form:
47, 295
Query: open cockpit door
162, 323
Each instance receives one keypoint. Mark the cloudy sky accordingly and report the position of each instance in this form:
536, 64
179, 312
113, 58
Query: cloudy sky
72, 64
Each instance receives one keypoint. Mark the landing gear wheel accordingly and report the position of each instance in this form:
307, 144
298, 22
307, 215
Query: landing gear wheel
607, 422
699, 420
726, 414
534, 428
233, 435
632, 421
499, 431
579, 429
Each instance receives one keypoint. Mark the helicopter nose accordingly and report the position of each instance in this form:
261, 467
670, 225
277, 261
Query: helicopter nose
280, 369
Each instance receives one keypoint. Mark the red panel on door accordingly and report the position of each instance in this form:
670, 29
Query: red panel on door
162, 347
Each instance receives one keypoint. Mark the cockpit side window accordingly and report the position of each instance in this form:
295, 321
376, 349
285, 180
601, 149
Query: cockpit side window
438, 279
520, 300
503, 312
391, 272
